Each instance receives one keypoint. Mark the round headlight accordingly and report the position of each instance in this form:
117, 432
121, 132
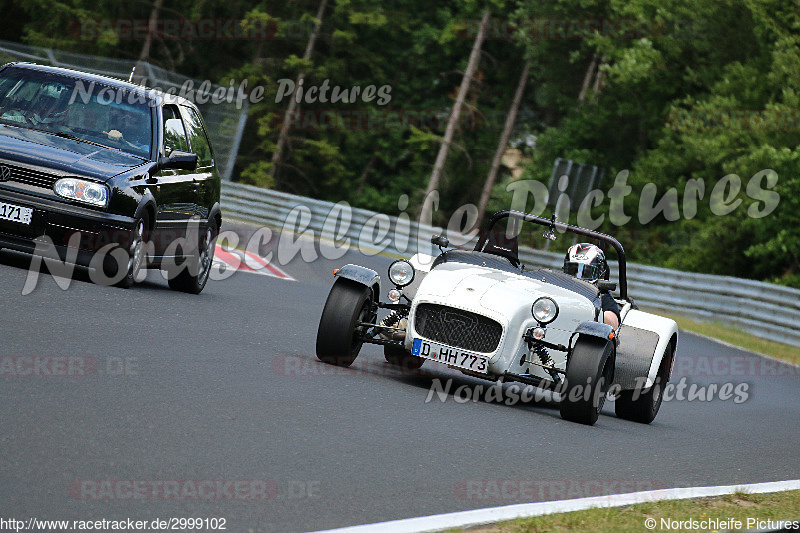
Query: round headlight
545, 310
401, 273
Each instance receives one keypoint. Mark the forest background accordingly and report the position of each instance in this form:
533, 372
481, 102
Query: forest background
680, 93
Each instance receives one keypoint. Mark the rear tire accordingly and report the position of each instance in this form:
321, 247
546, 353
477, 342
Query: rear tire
590, 372
339, 338
643, 407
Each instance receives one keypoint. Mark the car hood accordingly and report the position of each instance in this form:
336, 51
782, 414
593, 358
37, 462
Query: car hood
41, 149
500, 294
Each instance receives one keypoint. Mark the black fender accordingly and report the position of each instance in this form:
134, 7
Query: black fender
600, 331
216, 212
361, 275
595, 329
147, 201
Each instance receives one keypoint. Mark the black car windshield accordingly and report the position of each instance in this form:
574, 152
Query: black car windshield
76, 109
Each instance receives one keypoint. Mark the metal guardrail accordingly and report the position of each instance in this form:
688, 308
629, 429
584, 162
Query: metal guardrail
762, 309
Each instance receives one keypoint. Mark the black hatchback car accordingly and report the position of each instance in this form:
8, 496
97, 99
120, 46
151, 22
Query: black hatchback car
107, 174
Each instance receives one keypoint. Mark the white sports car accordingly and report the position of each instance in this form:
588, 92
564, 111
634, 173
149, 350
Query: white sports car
485, 314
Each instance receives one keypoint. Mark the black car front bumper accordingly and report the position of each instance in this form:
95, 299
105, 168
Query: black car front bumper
55, 224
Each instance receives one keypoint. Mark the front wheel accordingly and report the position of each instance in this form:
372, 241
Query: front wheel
643, 407
339, 337
137, 262
193, 275
590, 371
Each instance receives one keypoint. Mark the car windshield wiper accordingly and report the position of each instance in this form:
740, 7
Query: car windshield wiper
79, 139
61, 134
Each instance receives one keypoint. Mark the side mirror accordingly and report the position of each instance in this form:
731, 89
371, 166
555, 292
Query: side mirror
178, 160
440, 241
606, 286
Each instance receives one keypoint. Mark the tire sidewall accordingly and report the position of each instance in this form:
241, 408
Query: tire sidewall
192, 276
111, 266
335, 335
133, 271
643, 407
585, 368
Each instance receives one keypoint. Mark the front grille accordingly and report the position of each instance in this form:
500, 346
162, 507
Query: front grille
458, 328
30, 177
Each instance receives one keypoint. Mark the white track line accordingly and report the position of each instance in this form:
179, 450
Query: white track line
525, 510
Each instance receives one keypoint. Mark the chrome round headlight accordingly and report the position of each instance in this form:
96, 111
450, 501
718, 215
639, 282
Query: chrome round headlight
401, 273
545, 310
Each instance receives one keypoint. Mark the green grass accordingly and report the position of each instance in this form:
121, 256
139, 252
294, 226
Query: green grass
740, 506
737, 337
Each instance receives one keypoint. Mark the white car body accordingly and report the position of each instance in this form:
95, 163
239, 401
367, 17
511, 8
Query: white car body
506, 298
485, 314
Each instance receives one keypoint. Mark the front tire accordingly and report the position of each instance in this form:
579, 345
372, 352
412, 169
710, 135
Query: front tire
339, 337
137, 261
643, 407
590, 372
193, 275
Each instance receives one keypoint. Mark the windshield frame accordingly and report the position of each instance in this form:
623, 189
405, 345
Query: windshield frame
101, 99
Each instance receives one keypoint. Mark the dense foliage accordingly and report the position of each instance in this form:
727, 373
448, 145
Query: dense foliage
679, 93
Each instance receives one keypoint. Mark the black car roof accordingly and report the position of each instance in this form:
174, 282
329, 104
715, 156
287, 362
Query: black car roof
108, 81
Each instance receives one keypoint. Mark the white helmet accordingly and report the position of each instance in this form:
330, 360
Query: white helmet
586, 261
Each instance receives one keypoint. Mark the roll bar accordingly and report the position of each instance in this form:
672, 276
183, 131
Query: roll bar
561, 226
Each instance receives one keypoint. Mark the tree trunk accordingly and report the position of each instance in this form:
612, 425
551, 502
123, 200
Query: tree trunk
511, 118
277, 155
441, 158
144, 55
587, 79
599, 80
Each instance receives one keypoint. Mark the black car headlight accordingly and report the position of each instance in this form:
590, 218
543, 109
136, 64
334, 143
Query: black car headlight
87, 192
401, 273
544, 310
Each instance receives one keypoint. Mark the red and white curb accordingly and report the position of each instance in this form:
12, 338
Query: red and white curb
242, 261
479, 517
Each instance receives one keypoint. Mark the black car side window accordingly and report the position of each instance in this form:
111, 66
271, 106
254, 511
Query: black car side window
174, 132
197, 137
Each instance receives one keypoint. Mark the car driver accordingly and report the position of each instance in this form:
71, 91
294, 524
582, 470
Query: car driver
588, 262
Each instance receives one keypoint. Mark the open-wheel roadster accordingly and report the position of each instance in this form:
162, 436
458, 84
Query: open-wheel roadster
487, 315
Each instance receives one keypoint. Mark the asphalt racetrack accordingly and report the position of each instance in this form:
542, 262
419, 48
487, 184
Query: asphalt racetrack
151, 404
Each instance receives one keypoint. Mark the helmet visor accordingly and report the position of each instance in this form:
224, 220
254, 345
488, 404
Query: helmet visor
582, 270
